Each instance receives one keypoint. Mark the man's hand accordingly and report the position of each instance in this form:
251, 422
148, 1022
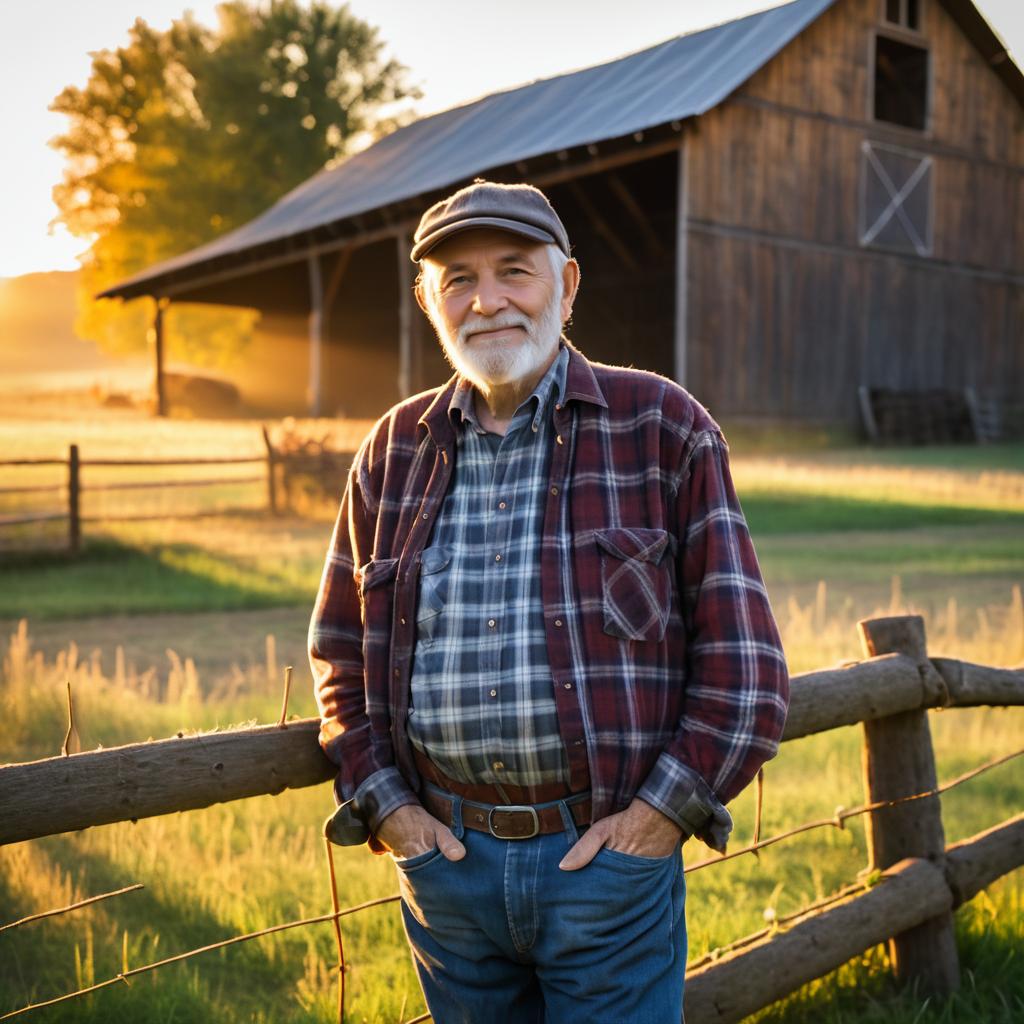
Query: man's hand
411, 830
639, 829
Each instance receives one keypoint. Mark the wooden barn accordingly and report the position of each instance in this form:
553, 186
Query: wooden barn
776, 212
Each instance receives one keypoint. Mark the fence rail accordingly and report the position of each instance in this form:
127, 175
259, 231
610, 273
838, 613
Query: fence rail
919, 879
276, 463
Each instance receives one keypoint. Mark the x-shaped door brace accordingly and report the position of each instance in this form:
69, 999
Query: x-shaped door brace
896, 199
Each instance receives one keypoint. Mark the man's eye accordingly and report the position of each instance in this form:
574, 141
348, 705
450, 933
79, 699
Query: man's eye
455, 281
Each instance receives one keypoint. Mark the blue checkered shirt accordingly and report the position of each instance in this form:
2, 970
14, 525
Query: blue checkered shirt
482, 707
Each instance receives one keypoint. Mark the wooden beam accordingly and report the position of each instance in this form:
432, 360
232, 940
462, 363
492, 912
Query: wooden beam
316, 334
835, 697
681, 340
975, 863
599, 164
297, 255
64, 794
727, 990
637, 212
608, 233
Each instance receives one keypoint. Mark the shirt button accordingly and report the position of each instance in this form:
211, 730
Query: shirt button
494, 693
403, 622
559, 439
558, 622
491, 623
498, 766
568, 686
501, 504
497, 558
425, 516
554, 490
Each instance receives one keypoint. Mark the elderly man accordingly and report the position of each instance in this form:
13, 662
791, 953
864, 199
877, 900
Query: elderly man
543, 652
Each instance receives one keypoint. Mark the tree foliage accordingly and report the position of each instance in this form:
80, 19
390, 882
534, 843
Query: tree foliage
185, 133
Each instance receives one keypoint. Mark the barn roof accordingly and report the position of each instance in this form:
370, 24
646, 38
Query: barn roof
675, 80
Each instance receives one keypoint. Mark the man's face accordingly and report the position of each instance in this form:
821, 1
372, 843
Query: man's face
497, 305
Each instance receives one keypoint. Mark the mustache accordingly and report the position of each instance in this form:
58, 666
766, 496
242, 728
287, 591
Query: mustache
493, 323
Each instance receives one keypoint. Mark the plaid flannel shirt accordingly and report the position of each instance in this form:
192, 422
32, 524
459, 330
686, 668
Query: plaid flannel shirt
482, 709
667, 671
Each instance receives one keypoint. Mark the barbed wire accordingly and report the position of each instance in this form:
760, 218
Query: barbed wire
123, 976
837, 821
72, 906
842, 814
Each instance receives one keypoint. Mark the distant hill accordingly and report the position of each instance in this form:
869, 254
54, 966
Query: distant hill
37, 315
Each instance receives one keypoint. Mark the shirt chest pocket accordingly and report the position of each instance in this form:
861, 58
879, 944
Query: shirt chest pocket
636, 581
433, 591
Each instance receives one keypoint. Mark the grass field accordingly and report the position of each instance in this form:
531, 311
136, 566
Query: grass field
840, 534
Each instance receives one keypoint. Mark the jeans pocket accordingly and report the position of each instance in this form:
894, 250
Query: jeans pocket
419, 860
433, 591
634, 861
636, 582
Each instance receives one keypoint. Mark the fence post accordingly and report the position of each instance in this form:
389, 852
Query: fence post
899, 761
74, 501
271, 473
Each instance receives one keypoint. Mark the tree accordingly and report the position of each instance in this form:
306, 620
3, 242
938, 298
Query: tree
184, 134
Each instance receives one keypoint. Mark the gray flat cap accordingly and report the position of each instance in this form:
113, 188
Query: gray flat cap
520, 209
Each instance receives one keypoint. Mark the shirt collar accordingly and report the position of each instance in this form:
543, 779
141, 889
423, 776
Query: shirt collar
462, 407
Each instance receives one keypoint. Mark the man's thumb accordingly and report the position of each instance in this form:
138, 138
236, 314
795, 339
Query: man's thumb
449, 846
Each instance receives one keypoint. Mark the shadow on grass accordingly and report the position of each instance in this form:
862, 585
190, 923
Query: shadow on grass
111, 577
776, 512
250, 981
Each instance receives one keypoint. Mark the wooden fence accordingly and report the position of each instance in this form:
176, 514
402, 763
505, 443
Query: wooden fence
920, 880
278, 468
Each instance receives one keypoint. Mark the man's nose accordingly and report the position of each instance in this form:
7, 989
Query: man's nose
489, 298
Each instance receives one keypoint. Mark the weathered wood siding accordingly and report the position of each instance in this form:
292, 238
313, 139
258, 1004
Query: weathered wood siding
788, 312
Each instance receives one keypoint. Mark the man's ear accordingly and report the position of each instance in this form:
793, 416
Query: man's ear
570, 285
421, 298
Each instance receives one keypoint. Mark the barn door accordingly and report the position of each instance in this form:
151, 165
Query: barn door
896, 199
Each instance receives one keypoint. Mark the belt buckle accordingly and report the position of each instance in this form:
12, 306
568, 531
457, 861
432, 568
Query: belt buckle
514, 808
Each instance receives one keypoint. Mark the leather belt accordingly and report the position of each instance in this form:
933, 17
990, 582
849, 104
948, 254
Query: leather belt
508, 812
507, 821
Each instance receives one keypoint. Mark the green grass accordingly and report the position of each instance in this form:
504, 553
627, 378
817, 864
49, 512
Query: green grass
243, 866
840, 535
770, 513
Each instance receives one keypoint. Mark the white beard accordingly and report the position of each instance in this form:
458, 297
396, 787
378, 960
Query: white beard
487, 364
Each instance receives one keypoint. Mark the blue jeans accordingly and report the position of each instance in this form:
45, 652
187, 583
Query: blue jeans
504, 936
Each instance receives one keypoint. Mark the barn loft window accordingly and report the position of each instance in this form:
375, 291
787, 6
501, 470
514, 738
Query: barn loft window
896, 199
901, 83
905, 13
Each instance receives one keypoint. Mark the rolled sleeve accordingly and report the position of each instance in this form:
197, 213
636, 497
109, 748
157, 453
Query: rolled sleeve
380, 794
685, 798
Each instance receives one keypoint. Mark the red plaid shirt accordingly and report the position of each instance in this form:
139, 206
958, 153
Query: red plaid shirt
666, 666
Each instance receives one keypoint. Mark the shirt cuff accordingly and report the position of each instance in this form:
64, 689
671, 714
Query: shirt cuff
381, 793
682, 795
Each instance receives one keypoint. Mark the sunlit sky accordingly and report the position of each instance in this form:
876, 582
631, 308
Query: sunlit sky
456, 51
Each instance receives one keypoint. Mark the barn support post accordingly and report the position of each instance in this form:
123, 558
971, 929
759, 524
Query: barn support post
156, 334
316, 331
407, 368
682, 246
898, 762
